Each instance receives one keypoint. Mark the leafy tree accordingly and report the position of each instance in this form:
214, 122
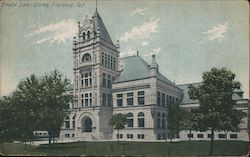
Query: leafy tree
118, 121
37, 104
174, 118
216, 104
55, 101
190, 121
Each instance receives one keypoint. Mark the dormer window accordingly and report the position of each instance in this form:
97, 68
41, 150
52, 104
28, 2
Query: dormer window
83, 36
88, 34
86, 57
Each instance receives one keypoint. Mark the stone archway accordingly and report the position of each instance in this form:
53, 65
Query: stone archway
86, 124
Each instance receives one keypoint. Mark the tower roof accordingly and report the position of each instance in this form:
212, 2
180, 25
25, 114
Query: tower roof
98, 24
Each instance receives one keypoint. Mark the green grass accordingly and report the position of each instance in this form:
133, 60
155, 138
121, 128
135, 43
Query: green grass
187, 148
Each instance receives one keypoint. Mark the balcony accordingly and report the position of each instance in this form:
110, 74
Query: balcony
85, 63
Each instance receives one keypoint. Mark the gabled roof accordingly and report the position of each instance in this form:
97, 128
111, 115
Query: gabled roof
186, 99
135, 68
99, 23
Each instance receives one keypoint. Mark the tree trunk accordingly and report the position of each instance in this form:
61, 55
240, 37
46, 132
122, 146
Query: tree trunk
211, 143
171, 135
49, 137
226, 132
118, 135
189, 137
25, 145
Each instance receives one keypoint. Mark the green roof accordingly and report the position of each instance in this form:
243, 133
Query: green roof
135, 68
187, 100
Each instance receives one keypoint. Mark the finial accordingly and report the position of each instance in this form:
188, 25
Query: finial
96, 5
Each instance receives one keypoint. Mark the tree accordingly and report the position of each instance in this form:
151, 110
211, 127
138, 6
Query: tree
37, 104
174, 117
189, 121
216, 104
118, 121
55, 101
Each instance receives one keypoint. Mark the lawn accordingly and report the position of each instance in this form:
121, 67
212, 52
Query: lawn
187, 148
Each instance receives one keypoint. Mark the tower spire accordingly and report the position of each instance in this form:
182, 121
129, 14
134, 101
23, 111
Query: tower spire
96, 5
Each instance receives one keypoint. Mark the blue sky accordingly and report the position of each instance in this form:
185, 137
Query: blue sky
188, 37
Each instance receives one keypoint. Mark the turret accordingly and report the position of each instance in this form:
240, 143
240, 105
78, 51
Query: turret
153, 66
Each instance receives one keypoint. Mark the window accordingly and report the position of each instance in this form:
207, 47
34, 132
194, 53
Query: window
199, 135
119, 99
141, 97
130, 136
109, 81
190, 135
83, 36
158, 120
111, 62
82, 101
88, 34
209, 135
67, 124
141, 119
109, 100
119, 135
104, 100
163, 100
102, 58
86, 80
74, 122
82, 80
140, 136
114, 63
86, 57
130, 120
233, 136
167, 99
87, 100
106, 60
222, 135
158, 99
163, 121
130, 99
103, 79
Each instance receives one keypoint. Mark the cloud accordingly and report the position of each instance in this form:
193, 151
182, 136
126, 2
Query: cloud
154, 51
141, 31
144, 43
140, 11
217, 32
58, 32
128, 52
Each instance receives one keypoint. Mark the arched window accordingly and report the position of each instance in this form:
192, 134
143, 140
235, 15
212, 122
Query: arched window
141, 119
130, 120
86, 57
86, 124
67, 122
83, 36
74, 122
88, 34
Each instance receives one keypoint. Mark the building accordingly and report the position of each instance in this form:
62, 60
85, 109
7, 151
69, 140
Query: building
105, 84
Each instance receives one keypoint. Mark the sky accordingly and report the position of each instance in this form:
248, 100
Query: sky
188, 37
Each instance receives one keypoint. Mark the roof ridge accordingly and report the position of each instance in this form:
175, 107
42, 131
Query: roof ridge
188, 83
